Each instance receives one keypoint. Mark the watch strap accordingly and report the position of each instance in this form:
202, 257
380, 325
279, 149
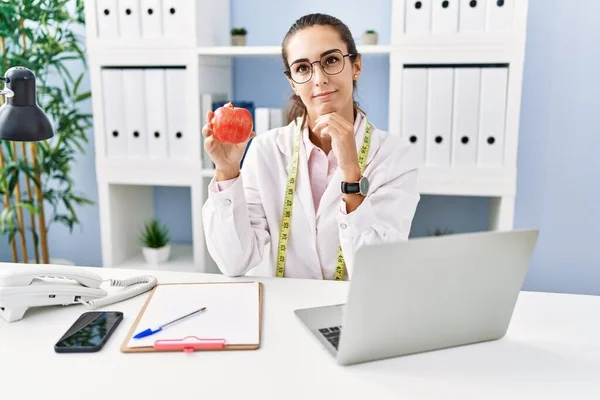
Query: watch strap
350, 187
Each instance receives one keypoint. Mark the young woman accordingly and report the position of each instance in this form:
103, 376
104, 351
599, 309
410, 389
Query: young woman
319, 188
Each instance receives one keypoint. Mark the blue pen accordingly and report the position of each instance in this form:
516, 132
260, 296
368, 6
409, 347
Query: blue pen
150, 331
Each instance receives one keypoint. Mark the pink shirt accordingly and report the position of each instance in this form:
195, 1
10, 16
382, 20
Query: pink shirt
321, 167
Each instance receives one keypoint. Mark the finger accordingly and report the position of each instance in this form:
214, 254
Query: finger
209, 115
207, 131
338, 130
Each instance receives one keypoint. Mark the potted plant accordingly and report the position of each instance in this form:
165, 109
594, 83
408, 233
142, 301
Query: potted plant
155, 241
238, 36
37, 178
441, 232
370, 37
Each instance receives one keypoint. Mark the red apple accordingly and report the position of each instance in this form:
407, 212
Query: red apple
231, 125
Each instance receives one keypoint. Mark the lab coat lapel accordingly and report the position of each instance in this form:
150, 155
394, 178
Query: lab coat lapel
333, 192
303, 192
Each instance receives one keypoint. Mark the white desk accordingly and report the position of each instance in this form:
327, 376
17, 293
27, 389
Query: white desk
552, 350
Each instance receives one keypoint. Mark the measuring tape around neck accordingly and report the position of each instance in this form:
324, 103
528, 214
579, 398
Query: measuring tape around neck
284, 232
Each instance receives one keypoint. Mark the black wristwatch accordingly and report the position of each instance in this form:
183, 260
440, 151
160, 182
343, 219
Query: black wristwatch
361, 187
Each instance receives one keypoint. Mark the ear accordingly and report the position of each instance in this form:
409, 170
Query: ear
292, 84
357, 66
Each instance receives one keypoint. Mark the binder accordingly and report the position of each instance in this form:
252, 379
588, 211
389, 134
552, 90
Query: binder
494, 83
418, 16
151, 14
444, 18
232, 320
174, 18
178, 137
500, 15
466, 116
107, 19
262, 120
213, 23
414, 112
472, 15
156, 114
439, 116
134, 98
114, 119
275, 118
129, 19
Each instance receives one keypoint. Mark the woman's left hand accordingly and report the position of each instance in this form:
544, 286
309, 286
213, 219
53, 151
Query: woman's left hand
343, 143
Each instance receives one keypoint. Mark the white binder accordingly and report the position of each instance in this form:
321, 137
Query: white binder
418, 16
444, 16
174, 18
129, 19
275, 118
135, 109
156, 113
107, 18
151, 13
262, 120
494, 83
500, 15
414, 112
439, 116
472, 15
178, 137
114, 118
466, 117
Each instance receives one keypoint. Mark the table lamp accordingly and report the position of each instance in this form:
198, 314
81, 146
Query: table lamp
22, 120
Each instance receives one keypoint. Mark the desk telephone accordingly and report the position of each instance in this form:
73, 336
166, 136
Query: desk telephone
61, 285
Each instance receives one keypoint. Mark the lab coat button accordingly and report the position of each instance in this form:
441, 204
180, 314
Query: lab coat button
343, 226
227, 202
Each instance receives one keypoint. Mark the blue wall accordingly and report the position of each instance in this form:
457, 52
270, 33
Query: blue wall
556, 189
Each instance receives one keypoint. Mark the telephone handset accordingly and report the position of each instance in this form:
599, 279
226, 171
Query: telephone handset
62, 285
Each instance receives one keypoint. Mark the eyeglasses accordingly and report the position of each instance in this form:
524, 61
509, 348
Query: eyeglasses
332, 64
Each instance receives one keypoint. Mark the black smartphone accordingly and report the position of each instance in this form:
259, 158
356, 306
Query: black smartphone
90, 332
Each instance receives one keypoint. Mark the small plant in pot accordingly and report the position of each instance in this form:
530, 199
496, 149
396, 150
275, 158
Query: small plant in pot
155, 240
238, 36
370, 37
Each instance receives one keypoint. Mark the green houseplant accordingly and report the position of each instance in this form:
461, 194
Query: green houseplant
370, 37
155, 239
35, 178
238, 36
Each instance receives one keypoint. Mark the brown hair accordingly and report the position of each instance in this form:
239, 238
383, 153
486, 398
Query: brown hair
297, 108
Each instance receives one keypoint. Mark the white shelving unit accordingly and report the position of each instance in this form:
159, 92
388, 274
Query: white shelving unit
176, 35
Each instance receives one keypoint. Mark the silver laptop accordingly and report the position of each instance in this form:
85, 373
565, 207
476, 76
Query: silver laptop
425, 294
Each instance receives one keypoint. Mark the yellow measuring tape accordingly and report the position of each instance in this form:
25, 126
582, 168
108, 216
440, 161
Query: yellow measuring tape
290, 188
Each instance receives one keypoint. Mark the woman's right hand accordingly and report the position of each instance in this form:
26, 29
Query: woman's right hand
225, 156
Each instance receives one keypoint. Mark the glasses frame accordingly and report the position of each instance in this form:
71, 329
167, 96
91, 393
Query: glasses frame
288, 73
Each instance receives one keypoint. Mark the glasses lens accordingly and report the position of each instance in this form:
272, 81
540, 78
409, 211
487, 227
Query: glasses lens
301, 72
333, 63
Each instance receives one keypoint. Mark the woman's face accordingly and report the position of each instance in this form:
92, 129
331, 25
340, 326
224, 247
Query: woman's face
322, 93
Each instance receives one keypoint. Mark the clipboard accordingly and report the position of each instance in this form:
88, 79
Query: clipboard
191, 342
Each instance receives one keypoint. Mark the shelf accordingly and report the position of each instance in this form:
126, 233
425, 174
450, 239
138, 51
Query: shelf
148, 172
274, 50
180, 260
467, 181
450, 181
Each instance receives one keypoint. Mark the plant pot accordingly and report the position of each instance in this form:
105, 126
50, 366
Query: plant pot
370, 38
156, 256
238, 40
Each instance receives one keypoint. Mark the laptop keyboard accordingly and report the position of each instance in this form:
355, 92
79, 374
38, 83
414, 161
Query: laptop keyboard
332, 334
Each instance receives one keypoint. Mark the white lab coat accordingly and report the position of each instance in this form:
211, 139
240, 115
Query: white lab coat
242, 219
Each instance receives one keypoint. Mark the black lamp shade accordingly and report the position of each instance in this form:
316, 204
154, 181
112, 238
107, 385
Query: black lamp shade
21, 119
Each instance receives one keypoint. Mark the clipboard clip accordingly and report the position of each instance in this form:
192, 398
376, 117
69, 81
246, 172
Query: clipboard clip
189, 344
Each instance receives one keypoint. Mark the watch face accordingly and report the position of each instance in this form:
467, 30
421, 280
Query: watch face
364, 186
